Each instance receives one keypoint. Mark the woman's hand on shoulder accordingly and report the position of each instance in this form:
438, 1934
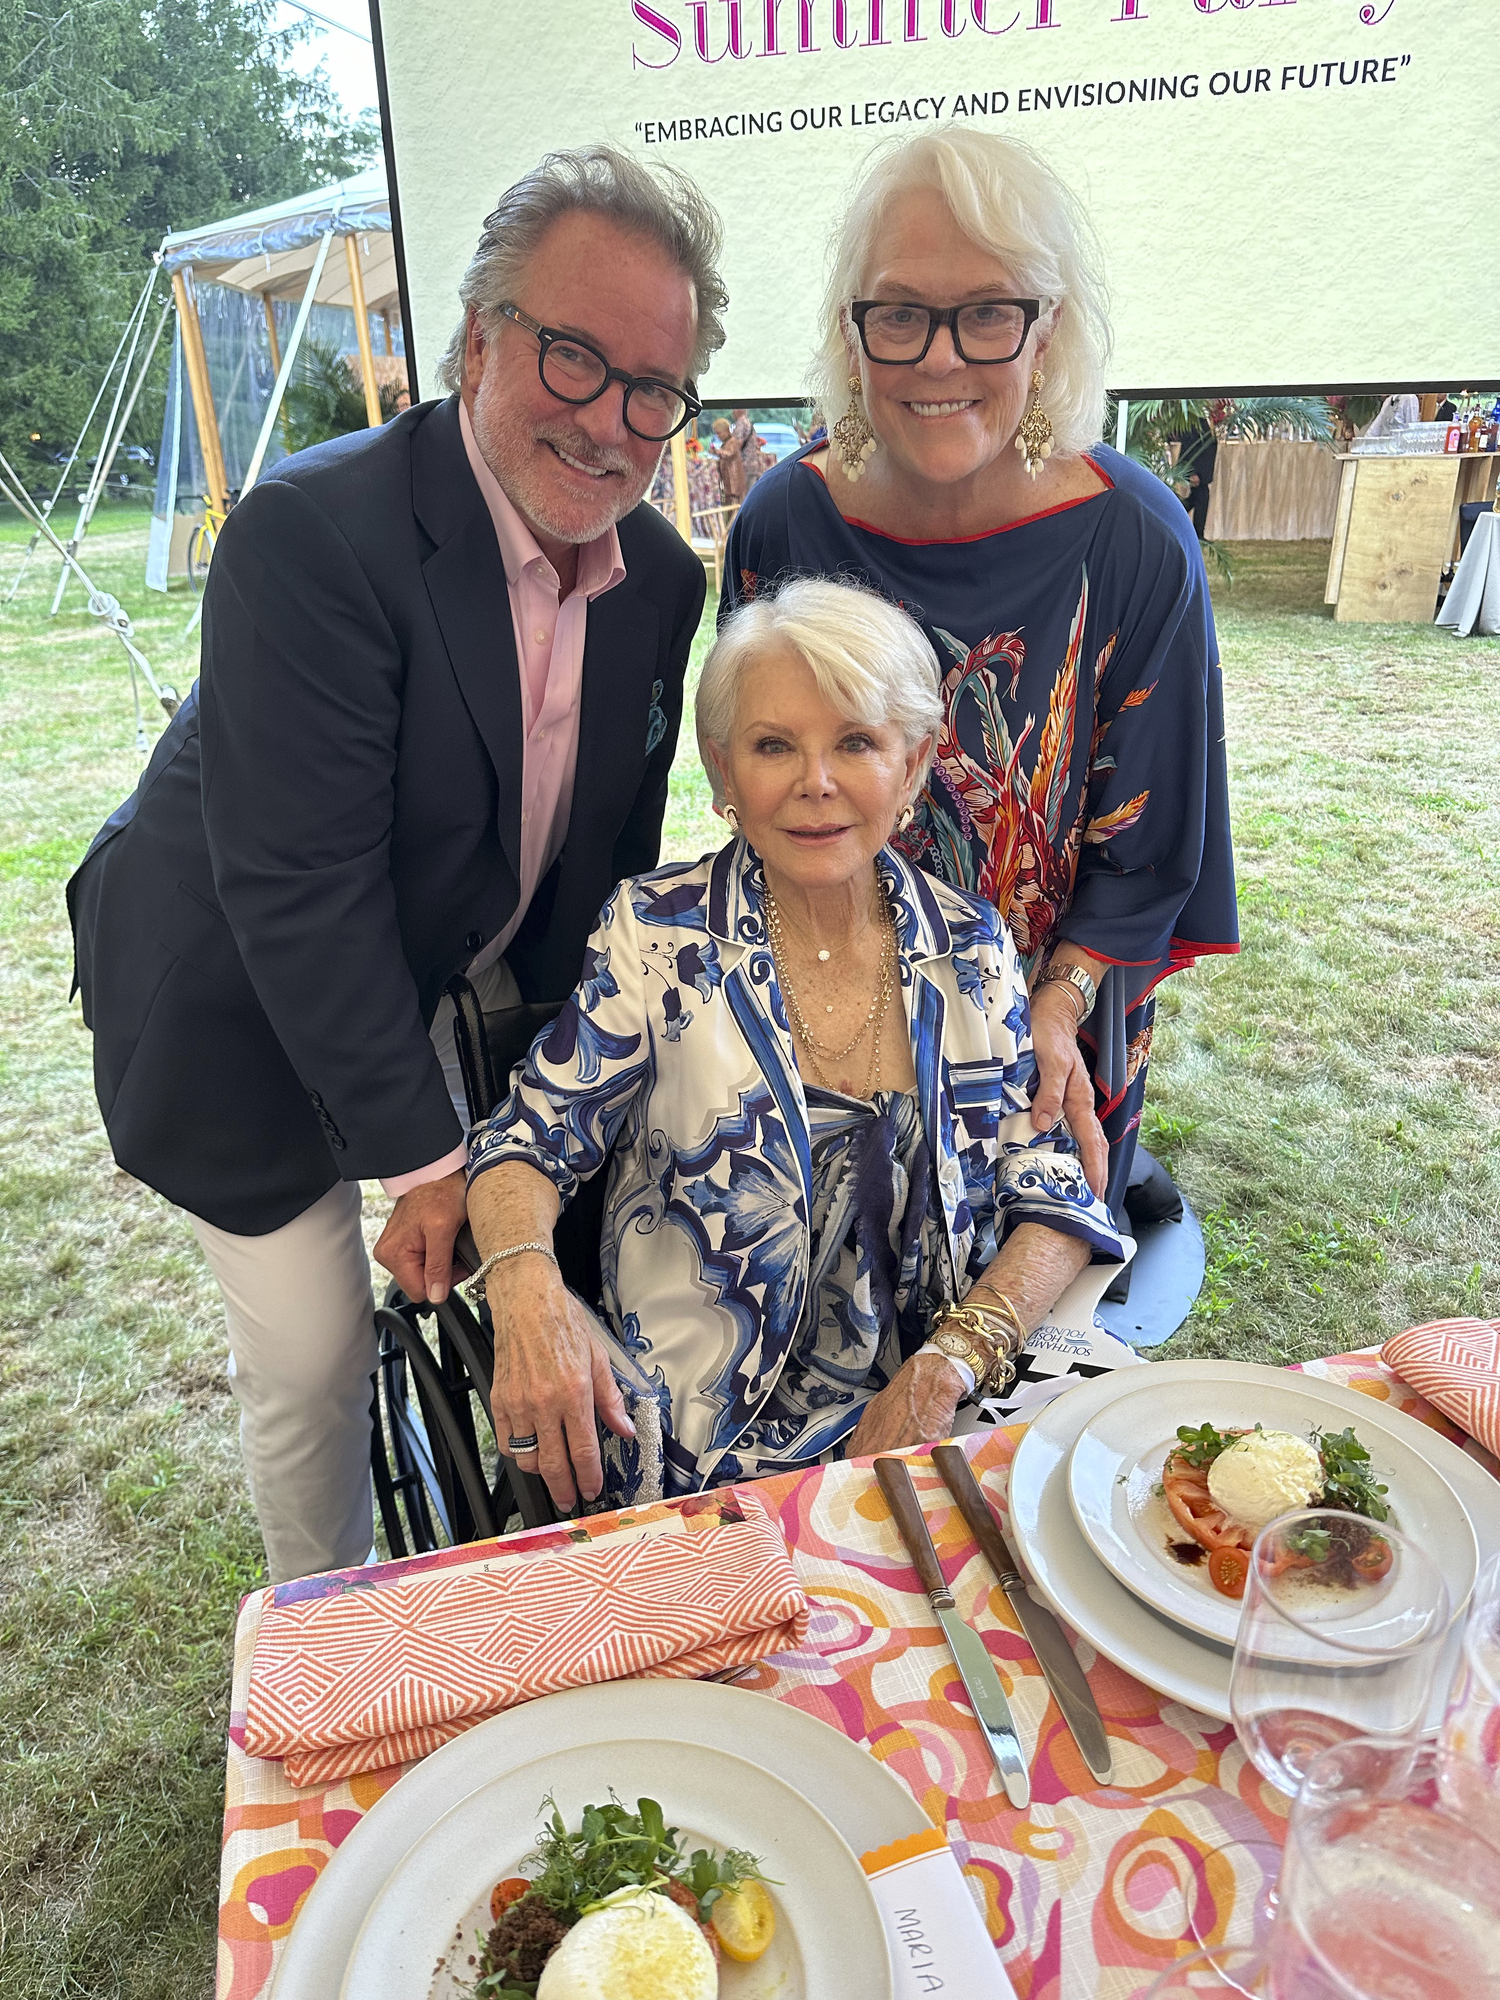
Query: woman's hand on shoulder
551, 1377
1064, 1087
916, 1406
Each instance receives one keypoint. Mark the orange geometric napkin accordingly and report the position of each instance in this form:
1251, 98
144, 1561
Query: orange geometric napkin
1455, 1364
354, 1678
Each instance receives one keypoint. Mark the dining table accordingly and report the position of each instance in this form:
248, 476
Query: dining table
1092, 1889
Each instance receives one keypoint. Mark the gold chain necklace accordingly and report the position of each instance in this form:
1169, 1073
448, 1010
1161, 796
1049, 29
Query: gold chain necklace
878, 1008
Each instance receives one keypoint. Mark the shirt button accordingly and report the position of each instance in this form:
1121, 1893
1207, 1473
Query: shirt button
540, 637
473, 941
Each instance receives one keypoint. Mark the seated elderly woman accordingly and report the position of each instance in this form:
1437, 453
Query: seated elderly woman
806, 1068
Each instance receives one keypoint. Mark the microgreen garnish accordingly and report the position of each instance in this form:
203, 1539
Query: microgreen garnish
1347, 1479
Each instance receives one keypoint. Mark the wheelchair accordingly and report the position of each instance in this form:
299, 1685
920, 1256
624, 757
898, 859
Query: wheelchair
439, 1476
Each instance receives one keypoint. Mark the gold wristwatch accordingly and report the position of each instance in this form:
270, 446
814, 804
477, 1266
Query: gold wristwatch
958, 1347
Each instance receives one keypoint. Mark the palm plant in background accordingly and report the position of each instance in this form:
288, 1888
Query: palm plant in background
1154, 426
327, 400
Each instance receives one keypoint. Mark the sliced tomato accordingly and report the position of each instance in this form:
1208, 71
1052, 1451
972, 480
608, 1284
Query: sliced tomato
1227, 1571
511, 1890
1374, 1560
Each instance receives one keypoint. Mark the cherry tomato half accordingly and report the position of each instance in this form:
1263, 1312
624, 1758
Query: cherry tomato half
511, 1890
1374, 1560
1227, 1570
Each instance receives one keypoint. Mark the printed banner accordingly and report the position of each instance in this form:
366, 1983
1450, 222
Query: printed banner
1290, 193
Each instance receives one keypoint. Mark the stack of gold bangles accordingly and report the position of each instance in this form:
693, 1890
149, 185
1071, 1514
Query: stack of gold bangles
994, 1329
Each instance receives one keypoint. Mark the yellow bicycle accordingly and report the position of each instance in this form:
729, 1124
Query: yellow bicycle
201, 541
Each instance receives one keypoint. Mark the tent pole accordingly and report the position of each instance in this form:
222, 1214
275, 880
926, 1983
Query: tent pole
62, 479
362, 331
203, 395
283, 376
108, 455
681, 498
275, 339
1122, 425
91, 492
390, 345
271, 333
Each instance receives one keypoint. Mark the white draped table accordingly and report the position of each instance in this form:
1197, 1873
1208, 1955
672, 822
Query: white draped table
1473, 601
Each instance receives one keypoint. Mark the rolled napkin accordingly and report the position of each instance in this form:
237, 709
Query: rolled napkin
1455, 1364
355, 1672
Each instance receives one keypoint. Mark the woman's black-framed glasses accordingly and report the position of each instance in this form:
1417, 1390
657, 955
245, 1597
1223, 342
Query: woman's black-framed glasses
576, 373
899, 331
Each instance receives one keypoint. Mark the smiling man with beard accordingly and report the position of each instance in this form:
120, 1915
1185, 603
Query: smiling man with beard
441, 681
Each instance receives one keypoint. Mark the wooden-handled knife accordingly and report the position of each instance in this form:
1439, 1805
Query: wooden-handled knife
1043, 1633
986, 1695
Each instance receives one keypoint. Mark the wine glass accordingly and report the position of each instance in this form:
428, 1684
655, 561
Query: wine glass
1342, 1624
1469, 1767
1383, 1895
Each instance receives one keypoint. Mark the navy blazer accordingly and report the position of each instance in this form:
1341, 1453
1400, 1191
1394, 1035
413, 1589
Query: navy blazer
330, 827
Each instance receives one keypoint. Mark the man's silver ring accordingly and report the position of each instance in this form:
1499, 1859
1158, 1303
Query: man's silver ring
522, 1444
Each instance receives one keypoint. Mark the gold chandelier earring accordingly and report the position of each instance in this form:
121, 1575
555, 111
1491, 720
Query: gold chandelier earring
854, 434
1034, 432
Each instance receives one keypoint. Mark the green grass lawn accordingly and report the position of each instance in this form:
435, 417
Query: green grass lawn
1330, 1100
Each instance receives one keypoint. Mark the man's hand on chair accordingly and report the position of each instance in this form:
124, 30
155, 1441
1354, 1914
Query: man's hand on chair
416, 1245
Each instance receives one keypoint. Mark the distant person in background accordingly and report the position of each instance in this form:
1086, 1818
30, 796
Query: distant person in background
1196, 459
742, 436
1396, 413
755, 458
731, 468
1446, 411
1079, 781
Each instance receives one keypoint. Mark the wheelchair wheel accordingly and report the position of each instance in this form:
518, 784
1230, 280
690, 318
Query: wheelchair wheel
435, 1482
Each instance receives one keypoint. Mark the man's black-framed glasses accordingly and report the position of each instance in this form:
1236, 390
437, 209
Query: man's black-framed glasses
576, 373
900, 331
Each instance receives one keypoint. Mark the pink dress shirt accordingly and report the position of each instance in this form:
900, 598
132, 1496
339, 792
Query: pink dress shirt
549, 631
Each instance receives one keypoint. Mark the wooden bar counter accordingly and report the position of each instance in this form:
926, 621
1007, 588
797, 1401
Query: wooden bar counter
1397, 525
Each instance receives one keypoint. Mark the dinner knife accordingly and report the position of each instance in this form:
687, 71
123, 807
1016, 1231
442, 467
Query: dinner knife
987, 1696
1044, 1635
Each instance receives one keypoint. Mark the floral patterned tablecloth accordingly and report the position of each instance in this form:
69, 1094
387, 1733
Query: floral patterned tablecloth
1085, 1893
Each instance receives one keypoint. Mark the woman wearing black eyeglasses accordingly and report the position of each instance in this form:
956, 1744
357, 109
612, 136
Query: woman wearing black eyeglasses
1079, 782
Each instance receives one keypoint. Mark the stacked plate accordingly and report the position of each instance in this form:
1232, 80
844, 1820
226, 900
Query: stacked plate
1098, 1538
397, 1912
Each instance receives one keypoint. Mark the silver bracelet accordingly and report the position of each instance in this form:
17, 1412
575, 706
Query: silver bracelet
473, 1288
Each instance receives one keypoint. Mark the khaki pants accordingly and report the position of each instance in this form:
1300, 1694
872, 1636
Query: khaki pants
301, 1352
302, 1348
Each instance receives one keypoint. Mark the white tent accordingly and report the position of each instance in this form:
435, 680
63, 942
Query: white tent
284, 256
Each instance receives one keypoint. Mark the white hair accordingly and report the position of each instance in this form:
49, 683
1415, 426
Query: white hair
865, 654
657, 202
1006, 199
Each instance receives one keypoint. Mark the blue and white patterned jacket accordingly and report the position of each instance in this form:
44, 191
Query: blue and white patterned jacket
673, 1059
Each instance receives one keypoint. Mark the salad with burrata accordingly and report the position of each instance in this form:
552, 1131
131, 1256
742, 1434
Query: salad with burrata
1223, 1487
620, 1910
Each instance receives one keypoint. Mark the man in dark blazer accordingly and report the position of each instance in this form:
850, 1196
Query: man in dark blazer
440, 690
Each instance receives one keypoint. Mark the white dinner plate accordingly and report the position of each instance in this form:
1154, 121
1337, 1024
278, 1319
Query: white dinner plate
866, 1803
425, 1925
1177, 1663
1114, 1486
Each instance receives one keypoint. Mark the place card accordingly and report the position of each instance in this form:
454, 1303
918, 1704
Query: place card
937, 1938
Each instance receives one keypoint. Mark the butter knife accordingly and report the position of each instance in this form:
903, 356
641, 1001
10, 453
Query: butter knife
1043, 1633
987, 1696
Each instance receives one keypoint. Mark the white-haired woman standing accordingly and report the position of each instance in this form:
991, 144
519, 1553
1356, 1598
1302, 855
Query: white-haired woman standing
808, 1067
1079, 777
